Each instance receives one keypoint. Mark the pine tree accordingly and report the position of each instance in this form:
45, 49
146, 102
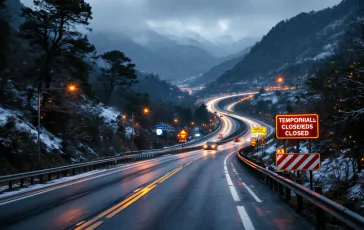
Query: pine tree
202, 114
119, 71
50, 27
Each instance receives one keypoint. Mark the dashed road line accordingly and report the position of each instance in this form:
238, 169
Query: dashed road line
248, 225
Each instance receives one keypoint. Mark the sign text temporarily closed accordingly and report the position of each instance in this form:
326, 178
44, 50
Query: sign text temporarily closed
297, 126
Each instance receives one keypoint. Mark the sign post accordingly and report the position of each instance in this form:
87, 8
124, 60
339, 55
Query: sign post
260, 132
309, 150
298, 127
182, 136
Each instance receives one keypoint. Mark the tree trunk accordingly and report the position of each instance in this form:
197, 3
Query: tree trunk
109, 94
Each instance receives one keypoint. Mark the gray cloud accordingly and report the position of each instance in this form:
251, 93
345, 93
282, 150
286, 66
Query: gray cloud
210, 18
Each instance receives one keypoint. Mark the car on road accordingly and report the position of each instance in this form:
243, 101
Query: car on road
210, 146
221, 136
236, 139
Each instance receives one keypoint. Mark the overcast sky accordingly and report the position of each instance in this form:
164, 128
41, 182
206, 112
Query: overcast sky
210, 18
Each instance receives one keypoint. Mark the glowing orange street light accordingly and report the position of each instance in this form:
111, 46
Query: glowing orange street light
72, 88
192, 123
146, 110
124, 116
280, 79
175, 120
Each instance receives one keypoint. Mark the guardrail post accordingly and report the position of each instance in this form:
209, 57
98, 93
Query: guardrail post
65, 173
41, 179
280, 187
49, 176
22, 182
271, 181
10, 185
58, 175
320, 214
288, 191
299, 198
74, 171
32, 180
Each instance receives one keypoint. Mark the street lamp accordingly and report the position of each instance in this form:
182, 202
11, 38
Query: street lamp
145, 111
176, 120
69, 88
280, 79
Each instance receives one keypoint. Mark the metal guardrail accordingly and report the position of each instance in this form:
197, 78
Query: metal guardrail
92, 165
284, 186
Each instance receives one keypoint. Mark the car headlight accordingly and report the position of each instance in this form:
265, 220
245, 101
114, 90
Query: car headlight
205, 146
213, 146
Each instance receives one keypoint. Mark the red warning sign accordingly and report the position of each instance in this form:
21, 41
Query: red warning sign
297, 126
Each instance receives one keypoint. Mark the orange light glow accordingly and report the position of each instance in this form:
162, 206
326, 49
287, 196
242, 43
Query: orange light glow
280, 79
72, 88
146, 110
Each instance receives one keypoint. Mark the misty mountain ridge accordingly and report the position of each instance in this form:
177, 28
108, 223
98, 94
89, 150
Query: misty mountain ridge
153, 52
292, 47
220, 69
221, 47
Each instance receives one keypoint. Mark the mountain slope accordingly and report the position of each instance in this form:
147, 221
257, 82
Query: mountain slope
219, 69
292, 47
153, 52
161, 91
222, 47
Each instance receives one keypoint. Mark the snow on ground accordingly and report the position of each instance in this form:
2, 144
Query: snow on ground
358, 189
47, 138
47, 184
4, 115
333, 170
109, 114
129, 131
270, 96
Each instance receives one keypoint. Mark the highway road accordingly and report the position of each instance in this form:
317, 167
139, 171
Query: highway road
194, 190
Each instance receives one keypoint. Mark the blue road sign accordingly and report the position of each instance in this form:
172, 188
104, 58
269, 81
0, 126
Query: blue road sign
162, 127
197, 130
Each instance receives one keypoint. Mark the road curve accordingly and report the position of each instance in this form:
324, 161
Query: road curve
195, 190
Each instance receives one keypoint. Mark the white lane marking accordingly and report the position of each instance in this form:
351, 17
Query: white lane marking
252, 193
248, 225
234, 193
122, 168
230, 183
228, 178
